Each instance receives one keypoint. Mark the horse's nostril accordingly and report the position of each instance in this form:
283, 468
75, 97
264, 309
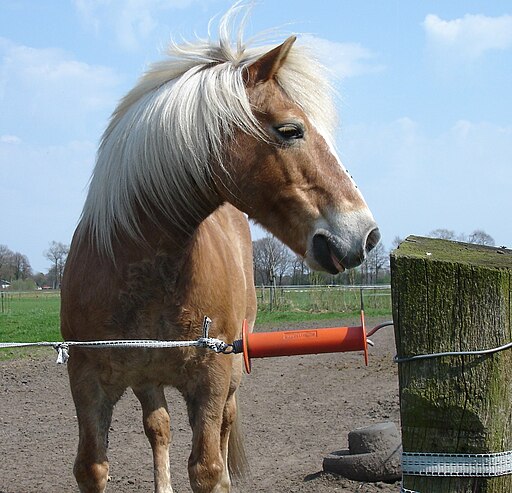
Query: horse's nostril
372, 239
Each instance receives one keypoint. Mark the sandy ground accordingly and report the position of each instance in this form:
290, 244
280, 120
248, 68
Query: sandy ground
295, 410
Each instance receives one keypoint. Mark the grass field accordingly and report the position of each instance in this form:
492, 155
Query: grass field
310, 300
29, 317
33, 317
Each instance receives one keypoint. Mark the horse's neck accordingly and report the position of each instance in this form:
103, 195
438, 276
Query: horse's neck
156, 239
160, 238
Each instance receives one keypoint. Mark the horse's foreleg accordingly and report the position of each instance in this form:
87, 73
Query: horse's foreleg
157, 427
94, 408
230, 439
210, 418
228, 419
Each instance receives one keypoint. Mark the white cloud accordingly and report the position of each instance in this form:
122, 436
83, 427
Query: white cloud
43, 90
133, 21
468, 37
344, 59
9, 139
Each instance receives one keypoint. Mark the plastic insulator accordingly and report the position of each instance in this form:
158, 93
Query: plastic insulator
238, 346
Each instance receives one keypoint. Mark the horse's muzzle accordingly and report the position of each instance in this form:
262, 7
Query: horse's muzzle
329, 253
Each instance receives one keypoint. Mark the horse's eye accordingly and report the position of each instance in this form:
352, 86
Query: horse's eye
289, 131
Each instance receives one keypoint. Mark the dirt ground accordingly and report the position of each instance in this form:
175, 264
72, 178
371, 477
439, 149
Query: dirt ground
295, 410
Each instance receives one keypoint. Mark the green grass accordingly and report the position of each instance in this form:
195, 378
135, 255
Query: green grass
322, 302
29, 318
265, 317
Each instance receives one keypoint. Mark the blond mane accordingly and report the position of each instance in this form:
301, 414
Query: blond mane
156, 150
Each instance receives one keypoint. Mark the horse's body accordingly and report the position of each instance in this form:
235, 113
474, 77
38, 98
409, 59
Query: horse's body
162, 241
161, 295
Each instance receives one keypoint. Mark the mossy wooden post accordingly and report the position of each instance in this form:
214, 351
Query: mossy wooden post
450, 296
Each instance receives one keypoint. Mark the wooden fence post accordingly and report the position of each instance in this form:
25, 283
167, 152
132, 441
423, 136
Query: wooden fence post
450, 296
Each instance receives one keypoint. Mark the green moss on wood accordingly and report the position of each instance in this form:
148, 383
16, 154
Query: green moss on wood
450, 296
454, 251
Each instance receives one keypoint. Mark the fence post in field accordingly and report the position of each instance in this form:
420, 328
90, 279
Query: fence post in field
450, 296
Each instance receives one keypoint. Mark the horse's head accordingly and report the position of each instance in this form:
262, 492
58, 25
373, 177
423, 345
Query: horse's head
292, 181
247, 126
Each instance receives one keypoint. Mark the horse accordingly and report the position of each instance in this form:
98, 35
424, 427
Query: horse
215, 134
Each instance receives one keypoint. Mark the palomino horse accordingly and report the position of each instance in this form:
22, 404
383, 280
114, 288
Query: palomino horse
207, 135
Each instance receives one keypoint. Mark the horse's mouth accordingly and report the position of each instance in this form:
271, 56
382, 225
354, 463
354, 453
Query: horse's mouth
327, 254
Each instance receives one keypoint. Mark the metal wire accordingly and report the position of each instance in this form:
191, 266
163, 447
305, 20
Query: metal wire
481, 352
378, 327
405, 359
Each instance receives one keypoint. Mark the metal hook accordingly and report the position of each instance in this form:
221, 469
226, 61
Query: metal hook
206, 326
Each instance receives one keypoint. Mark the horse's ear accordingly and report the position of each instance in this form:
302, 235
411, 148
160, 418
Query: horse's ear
267, 66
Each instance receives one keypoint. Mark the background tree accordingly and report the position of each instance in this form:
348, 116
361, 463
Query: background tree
14, 266
376, 261
272, 260
57, 254
300, 271
480, 237
21, 267
443, 234
380, 260
40, 279
396, 242
6, 263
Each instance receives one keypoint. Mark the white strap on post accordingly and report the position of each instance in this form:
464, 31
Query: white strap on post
463, 465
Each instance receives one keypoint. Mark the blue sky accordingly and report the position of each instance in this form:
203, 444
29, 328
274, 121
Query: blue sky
425, 103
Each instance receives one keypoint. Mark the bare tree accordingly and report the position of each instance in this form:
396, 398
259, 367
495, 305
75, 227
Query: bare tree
57, 254
272, 260
300, 271
21, 266
14, 266
4, 254
443, 234
396, 242
480, 237
6, 263
375, 262
378, 258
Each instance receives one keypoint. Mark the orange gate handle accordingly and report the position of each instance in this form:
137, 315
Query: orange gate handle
295, 342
